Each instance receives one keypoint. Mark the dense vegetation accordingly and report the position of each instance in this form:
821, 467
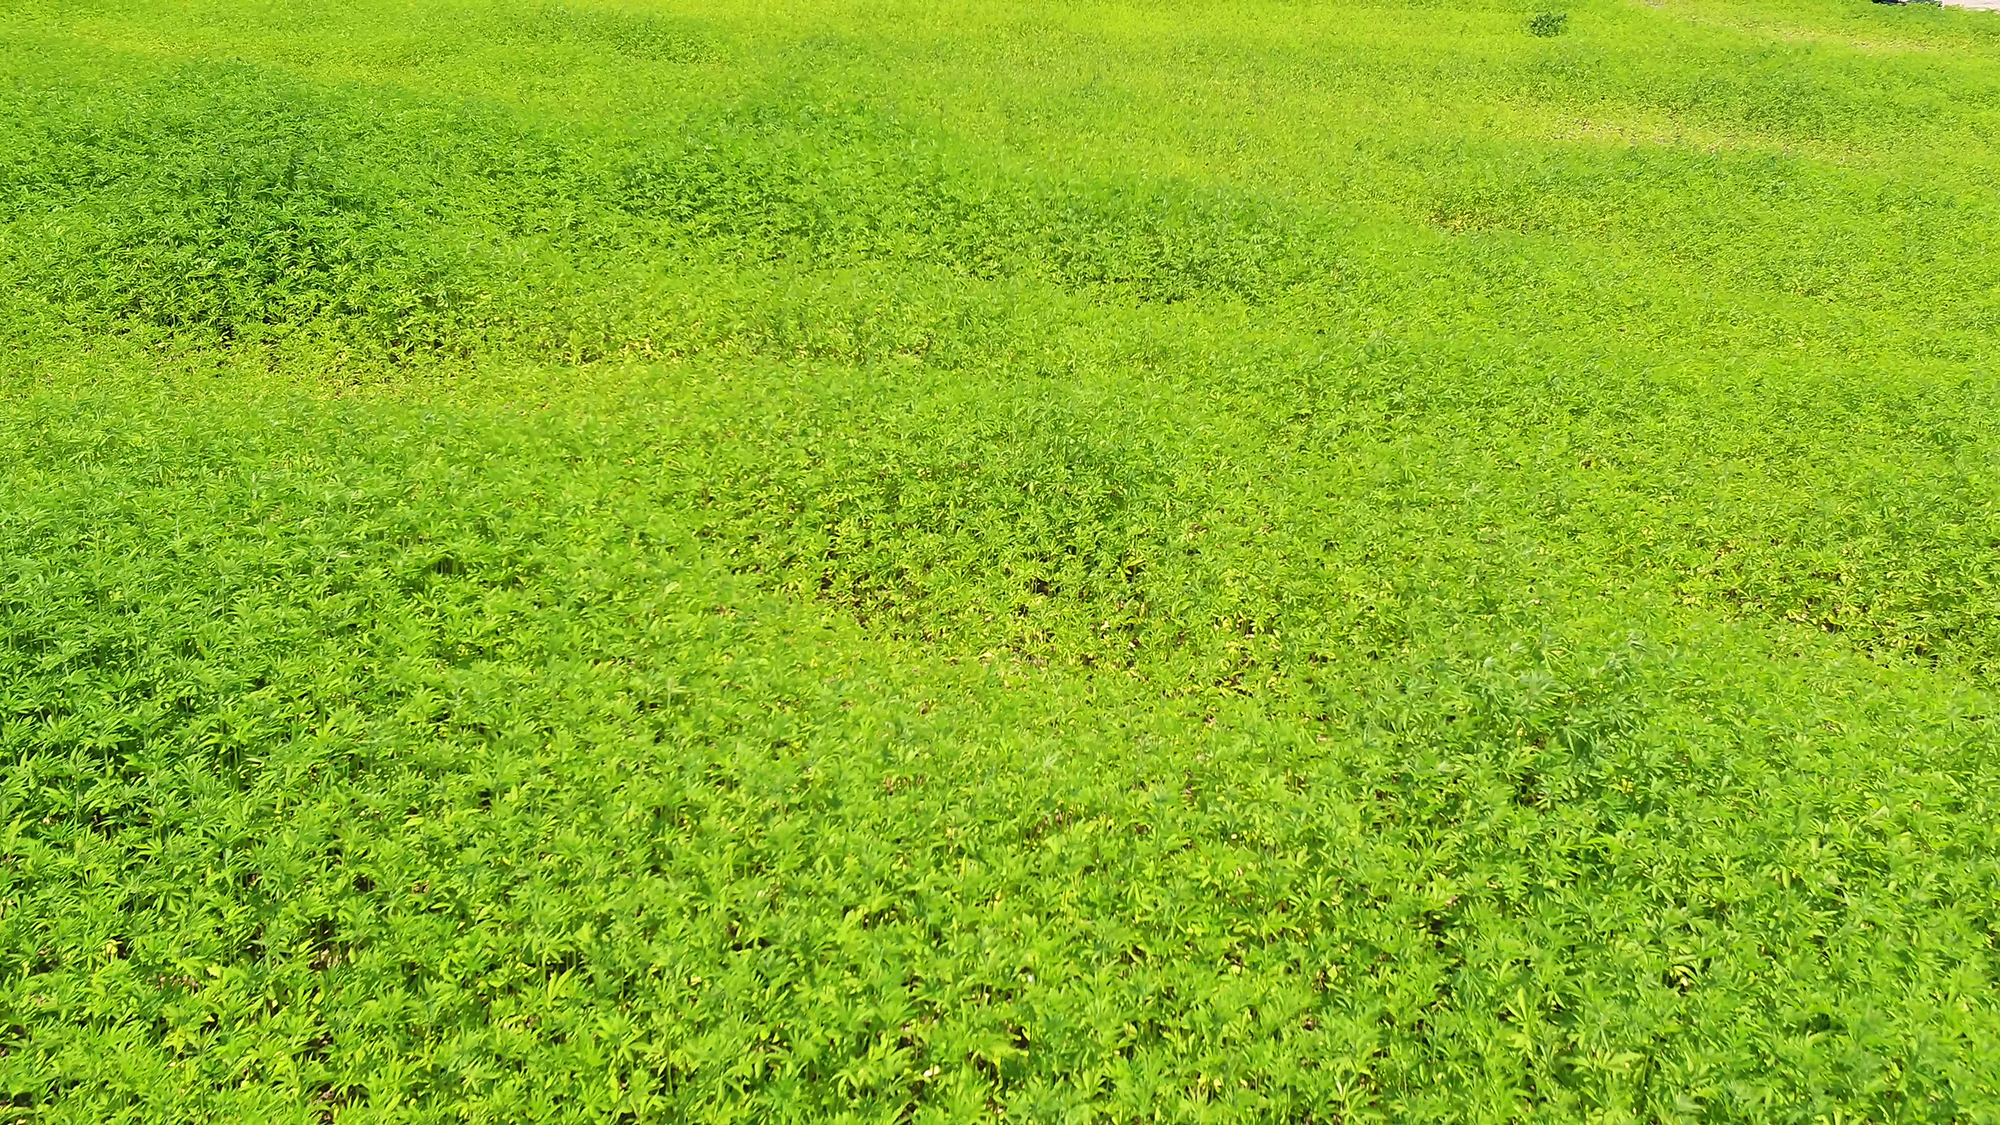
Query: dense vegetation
999, 561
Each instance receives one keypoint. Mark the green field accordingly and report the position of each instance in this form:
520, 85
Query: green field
712, 561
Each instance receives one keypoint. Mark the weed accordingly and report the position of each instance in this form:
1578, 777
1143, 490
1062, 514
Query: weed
640, 562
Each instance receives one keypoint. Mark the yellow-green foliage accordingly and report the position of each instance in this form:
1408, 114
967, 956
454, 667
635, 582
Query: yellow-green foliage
891, 562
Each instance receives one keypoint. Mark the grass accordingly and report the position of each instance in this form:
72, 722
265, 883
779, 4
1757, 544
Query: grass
889, 562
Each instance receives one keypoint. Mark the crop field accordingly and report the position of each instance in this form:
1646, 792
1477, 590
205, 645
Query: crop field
987, 560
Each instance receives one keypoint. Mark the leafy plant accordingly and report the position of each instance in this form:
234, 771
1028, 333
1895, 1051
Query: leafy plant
586, 564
